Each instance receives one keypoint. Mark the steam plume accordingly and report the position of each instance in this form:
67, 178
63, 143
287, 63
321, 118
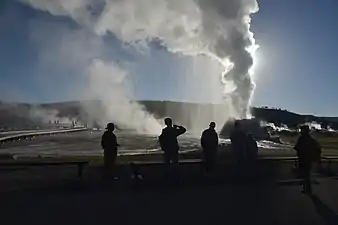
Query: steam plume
107, 83
217, 29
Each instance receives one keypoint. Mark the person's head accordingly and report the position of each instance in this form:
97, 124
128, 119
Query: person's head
168, 122
110, 127
305, 130
212, 125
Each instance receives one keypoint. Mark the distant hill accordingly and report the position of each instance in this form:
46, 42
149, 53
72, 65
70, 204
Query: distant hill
279, 117
25, 115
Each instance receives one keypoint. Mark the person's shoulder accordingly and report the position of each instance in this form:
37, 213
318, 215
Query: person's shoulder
107, 134
164, 130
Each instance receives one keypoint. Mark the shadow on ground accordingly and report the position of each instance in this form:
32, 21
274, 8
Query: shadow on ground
327, 214
207, 201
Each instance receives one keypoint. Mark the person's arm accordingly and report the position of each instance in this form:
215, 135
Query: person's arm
297, 146
217, 140
103, 142
180, 130
203, 139
317, 145
115, 141
232, 139
161, 140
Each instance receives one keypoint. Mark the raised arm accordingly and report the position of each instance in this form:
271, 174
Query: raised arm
180, 130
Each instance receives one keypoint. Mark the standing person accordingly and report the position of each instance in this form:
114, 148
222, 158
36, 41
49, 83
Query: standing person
109, 145
238, 142
308, 151
168, 141
209, 143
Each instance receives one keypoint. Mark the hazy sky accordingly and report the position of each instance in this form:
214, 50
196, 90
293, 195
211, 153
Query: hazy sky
296, 71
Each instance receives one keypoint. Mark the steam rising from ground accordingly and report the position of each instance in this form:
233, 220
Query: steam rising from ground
49, 116
218, 30
274, 127
108, 83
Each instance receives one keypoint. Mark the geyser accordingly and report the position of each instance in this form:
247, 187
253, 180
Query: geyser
217, 30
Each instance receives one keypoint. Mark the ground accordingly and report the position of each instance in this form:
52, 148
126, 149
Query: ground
56, 196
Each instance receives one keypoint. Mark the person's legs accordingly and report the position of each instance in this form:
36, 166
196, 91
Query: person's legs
175, 166
112, 163
212, 159
174, 159
205, 160
307, 177
305, 169
166, 158
108, 164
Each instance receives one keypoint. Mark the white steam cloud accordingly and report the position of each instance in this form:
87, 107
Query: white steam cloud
108, 83
49, 116
282, 127
216, 29
314, 125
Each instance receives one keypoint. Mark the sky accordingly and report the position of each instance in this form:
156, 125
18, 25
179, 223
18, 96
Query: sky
296, 61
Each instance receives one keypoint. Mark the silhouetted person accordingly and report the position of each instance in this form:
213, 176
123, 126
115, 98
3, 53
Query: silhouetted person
168, 141
109, 145
209, 143
308, 151
238, 141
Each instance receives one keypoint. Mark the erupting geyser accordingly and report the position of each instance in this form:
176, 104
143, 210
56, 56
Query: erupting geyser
216, 29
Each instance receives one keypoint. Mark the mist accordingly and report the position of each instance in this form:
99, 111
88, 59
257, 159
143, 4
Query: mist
108, 82
91, 77
47, 116
214, 33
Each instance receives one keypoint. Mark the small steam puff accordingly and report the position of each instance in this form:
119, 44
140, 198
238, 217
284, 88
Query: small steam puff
283, 127
218, 29
314, 125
